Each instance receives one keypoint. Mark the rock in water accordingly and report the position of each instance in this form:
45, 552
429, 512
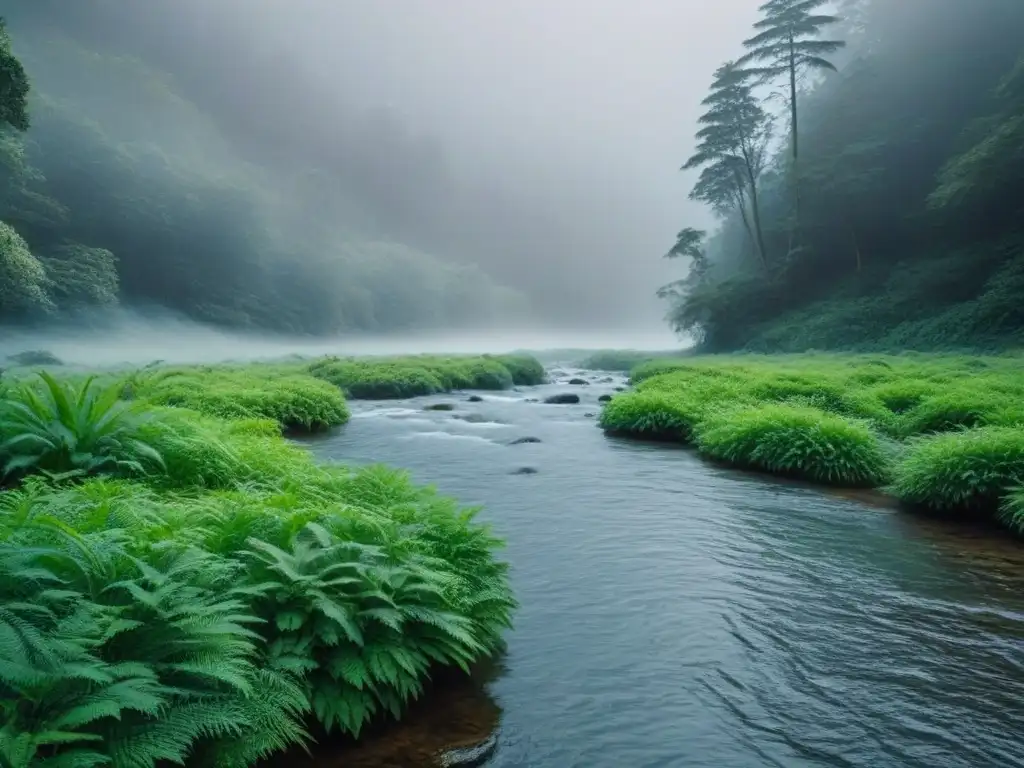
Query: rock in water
469, 757
579, 382
604, 399
474, 399
524, 440
525, 471
440, 407
562, 399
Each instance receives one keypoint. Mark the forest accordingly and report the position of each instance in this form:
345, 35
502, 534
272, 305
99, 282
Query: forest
864, 161
138, 171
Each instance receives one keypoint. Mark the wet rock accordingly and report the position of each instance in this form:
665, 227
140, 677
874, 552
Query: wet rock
531, 400
562, 399
604, 399
525, 440
589, 415
620, 389
474, 399
469, 757
607, 380
440, 407
579, 382
524, 471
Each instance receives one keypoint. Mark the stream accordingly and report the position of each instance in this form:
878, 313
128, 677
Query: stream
674, 613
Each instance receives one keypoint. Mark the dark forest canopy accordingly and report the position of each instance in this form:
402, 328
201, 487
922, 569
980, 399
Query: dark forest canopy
901, 224
160, 169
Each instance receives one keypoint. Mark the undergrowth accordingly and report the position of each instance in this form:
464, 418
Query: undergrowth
201, 590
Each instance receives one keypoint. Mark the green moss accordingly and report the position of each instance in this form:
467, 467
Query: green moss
969, 471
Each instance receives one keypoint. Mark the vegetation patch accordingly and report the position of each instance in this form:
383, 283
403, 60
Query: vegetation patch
392, 378
622, 360
201, 590
796, 441
651, 416
969, 471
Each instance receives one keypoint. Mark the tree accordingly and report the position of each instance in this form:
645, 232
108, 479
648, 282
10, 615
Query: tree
787, 44
14, 85
732, 151
689, 244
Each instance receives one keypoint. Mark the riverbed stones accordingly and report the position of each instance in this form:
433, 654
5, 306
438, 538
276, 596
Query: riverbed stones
440, 407
604, 399
565, 398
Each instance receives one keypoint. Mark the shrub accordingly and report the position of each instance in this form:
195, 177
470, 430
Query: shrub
962, 407
377, 381
966, 471
293, 400
796, 441
651, 415
526, 371
64, 429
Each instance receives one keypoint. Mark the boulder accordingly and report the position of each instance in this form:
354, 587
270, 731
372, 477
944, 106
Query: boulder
579, 382
524, 471
604, 399
562, 399
440, 407
474, 399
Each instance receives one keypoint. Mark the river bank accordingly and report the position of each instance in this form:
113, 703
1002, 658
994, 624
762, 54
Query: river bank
669, 608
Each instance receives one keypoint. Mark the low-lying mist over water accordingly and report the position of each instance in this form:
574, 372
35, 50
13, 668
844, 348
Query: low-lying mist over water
137, 339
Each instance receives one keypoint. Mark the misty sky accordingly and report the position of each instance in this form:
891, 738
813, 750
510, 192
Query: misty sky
589, 107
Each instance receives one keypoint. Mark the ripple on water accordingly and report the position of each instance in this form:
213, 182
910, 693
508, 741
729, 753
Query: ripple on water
679, 614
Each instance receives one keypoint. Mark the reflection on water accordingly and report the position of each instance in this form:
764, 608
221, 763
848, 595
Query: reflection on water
676, 613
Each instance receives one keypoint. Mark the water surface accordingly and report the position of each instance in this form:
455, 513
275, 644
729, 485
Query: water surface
679, 614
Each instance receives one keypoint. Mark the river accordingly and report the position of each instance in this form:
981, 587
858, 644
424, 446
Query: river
679, 614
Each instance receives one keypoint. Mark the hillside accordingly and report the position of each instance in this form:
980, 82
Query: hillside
901, 222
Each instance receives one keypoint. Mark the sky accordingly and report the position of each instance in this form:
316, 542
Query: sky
587, 108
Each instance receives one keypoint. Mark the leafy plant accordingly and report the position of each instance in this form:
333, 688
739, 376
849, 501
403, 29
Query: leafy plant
66, 429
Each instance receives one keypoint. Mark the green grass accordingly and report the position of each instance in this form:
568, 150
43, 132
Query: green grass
395, 378
212, 593
921, 420
622, 360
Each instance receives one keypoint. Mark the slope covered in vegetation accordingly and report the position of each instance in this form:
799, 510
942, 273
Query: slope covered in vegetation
882, 207
185, 584
945, 433
116, 186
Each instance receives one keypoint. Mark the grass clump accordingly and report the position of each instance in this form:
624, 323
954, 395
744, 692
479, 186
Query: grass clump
621, 360
969, 471
227, 602
796, 441
650, 416
395, 378
294, 399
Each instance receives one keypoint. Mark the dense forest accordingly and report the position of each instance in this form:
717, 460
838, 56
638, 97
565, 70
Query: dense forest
145, 168
865, 162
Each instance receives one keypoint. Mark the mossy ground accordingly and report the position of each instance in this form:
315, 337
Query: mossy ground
944, 432
179, 582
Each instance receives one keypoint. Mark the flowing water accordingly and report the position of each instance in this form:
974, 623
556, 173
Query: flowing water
679, 614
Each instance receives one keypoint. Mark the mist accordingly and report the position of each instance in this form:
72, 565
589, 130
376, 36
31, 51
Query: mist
397, 166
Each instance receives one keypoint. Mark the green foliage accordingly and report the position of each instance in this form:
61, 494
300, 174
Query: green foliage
797, 441
292, 398
69, 430
621, 360
968, 472
14, 85
207, 613
22, 277
402, 377
844, 419
80, 276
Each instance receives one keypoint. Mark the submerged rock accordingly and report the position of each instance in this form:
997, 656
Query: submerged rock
589, 415
604, 399
473, 418
562, 399
524, 471
525, 440
579, 382
440, 407
620, 389
469, 757
474, 399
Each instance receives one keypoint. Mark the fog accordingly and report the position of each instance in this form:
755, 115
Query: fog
536, 141
137, 339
